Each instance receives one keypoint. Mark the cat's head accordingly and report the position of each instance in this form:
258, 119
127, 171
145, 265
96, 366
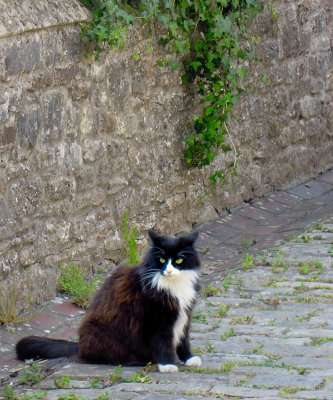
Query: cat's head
172, 257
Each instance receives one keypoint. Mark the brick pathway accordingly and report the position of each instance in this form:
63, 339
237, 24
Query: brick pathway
266, 332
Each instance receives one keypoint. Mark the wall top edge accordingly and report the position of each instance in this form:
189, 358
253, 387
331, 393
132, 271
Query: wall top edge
19, 16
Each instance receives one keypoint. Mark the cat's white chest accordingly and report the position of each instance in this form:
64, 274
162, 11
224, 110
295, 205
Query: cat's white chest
183, 289
179, 327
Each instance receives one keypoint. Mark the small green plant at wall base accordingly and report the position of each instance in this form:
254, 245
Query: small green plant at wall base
71, 281
130, 236
8, 311
208, 40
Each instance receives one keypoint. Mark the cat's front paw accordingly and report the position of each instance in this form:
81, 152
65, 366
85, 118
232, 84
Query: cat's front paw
167, 368
194, 361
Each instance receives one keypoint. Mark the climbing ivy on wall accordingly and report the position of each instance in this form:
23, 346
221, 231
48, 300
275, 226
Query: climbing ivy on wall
209, 40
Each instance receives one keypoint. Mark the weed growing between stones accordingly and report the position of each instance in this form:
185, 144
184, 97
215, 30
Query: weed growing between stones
229, 333
307, 317
210, 348
32, 374
306, 268
303, 239
318, 226
229, 280
199, 317
63, 382
246, 320
319, 341
117, 375
221, 312
38, 394
210, 291
289, 390
227, 367
272, 301
279, 265
248, 262
9, 393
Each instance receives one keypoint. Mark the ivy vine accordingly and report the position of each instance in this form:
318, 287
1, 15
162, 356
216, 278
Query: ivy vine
207, 38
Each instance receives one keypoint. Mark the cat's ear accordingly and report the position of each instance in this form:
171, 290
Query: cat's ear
154, 236
192, 237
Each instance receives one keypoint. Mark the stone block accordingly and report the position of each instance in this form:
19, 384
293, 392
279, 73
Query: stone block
14, 62
309, 107
5, 268
59, 188
22, 57
7, 136
290, 41
319, 44
93, 150
303, 13
4, 114
320, 64
317, 85
26, 196
318, 22
53, 109
28, 126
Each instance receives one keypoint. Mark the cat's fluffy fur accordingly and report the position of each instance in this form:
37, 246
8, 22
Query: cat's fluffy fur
141, 314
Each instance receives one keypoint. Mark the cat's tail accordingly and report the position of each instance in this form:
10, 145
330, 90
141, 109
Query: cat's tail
34, 347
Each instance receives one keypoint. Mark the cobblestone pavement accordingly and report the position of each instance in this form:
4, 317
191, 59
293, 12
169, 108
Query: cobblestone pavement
263, 324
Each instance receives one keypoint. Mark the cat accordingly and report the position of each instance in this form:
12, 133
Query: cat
141, 314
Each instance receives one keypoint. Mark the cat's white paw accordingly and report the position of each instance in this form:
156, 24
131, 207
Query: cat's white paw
166, 368
194, 362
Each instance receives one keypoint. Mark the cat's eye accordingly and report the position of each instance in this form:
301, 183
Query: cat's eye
162, 260
179, 261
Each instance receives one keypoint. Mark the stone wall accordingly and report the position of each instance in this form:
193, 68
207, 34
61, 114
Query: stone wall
82, 141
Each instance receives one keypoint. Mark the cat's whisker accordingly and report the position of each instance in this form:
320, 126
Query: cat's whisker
155, 247
157, 253
150, 271
147, 277
183, 253
149, 281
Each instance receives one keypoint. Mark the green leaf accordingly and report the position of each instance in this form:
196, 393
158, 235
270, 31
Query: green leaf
195, 65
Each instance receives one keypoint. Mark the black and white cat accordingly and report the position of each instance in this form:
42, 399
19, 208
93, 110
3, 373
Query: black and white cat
141, 314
